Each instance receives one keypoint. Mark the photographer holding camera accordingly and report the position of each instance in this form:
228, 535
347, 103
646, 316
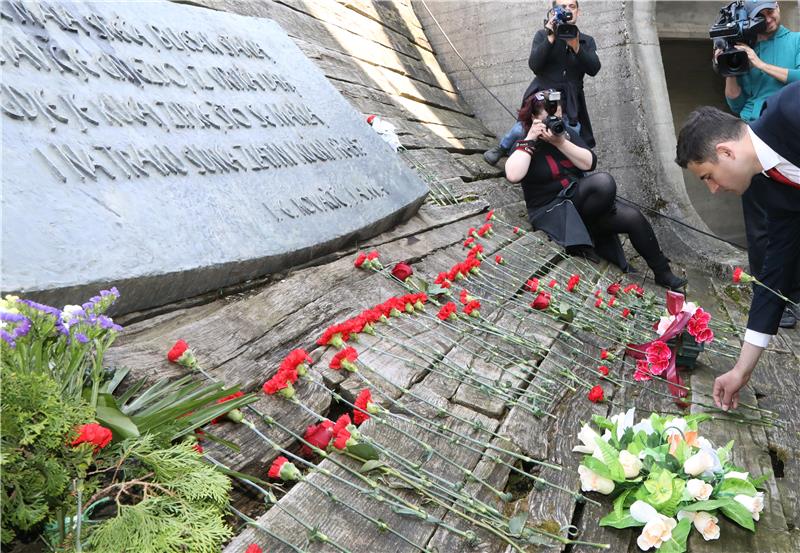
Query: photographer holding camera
560, 57
772, 61
576, 210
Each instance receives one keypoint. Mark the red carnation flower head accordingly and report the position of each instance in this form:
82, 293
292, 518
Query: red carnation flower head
182, 354
361, 258
402, 271
282, 469
420, 299
473, 308
318, 435
280, 384
473, 264
603, 354
740, 276
253, 548
449, 311
532, 285
642, 373
373, 255
541, 302
442, 280
596, 394
658, 356
553, 283
635, 288
364, 403
471, 232
613, 289
342, 437
490, 215
603, 370
234, 414
612, 300
516, 230
198, 447
476, 252
372, 260
598, 302
469, 241
465, 296
345, 359
625, 313
499, 259
93, 433
485, 230
298, 361
573, 282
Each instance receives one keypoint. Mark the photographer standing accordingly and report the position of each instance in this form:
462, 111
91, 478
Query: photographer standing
774, 62
560, 64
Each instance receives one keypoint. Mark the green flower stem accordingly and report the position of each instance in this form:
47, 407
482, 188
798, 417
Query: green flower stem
79, 514
255, 524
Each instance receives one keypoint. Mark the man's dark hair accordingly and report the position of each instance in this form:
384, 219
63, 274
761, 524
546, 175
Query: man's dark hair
559, 2
703, 130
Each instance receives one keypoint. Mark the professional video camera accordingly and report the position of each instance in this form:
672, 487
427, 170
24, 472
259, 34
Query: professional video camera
553, 123
562, 27
733, 25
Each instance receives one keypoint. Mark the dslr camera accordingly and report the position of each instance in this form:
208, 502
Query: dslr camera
562, 27
732, 26
553, 123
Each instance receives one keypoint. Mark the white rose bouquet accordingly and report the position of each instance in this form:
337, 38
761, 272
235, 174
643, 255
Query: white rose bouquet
666, 478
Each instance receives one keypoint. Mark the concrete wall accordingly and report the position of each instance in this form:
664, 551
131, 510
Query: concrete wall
628, 99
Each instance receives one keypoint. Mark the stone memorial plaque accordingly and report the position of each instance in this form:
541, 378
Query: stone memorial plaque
170, 150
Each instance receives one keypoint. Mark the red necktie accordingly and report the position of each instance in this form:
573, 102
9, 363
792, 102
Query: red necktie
777, 176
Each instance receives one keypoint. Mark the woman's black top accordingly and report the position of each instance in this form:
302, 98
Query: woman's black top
550, 172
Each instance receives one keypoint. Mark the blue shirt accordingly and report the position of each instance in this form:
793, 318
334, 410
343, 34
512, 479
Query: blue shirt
782, 50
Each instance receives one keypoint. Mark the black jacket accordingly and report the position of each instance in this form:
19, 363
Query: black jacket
779, 128
557, 66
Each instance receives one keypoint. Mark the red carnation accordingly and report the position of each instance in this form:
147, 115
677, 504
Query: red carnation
402, 271
612, 300
340, 432
490, 215
360, 259
471, 232
515, 230
625, 313
596, 394
93, 433
363, 405
318, 435
603, 370
499, 259
532, 284
447, 311
182, 354
598, 302
740, 276
541, 302
253, 548
573, 282
613, 289
603, 354
553, 283
234, 414
373, 255
475, 252
472, 308
281, 468
345, 359
468, 242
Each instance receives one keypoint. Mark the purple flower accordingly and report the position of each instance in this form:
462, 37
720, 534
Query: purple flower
12, 317
7, 338
81, 337
23, 328
49, 310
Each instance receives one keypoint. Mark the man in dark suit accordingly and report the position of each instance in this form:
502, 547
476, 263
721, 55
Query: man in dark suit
725, 153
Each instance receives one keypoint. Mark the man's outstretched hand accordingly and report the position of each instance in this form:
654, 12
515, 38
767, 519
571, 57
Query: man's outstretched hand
726, 389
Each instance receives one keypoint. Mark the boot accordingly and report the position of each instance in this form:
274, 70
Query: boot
493, 156
663, 274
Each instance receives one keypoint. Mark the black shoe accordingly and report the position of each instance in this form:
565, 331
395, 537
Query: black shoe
788, 320
670, 280
493, 156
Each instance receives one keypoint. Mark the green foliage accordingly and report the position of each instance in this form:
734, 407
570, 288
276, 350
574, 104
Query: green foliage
37, 462
180, 506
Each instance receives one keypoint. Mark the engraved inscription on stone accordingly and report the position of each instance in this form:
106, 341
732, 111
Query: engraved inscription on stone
172, 150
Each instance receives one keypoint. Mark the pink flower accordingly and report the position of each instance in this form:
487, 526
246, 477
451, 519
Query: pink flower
642, 373
658, 356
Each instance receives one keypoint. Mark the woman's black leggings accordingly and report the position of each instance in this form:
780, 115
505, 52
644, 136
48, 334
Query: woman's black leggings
595, 200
